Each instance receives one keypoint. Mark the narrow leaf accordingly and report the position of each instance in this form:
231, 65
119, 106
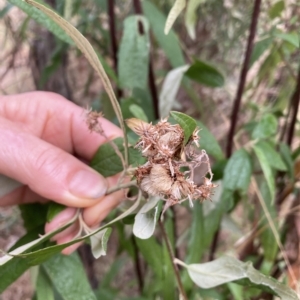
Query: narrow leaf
12, 266
134, 53
138, 112
17, 265
175, 11
228, 269
266, 168
169, 43
170, 89
291, 37
191, 17
44, 288
99, 242
83, 44
187, 123
69, 278
145, 219
272, 156
267, 239
43, 20
288, 159
206, 74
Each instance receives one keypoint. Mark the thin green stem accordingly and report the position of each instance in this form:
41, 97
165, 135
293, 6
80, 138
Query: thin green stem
171, 255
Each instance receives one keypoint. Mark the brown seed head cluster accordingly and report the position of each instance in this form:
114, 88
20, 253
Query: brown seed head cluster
163, 175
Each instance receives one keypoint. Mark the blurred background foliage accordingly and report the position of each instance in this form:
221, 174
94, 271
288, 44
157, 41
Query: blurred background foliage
196, 69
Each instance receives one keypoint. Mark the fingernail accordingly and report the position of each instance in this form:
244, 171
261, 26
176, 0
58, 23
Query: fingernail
87, 184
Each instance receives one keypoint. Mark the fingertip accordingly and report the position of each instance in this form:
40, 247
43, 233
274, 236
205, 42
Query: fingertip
62, 218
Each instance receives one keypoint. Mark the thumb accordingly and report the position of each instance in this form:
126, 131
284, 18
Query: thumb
47, 170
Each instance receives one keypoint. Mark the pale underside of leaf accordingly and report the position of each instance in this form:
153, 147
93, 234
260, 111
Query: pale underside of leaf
191, 17
228, 269
145, 219
99, 242
175, 11
170, 89
84, 45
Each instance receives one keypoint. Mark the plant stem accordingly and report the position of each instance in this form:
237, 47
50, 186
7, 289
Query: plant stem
113, 39
120, 187
294, 104
151, 79
171, 254
138, 265
243, 75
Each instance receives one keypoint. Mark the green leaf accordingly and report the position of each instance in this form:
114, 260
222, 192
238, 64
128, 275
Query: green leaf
175, 11
228, 269
145, 220
133, 60
170, 89
152, 253
191, 17
12, 265
272, 156
169, 43
209, 143
68, 277
259, 49
276, 9
288, 159
291, 37
267, 127
99, 242
205, 74
195, 247
238, 171
107, 162
83, 44
40, 18
266, 168
53, 210
39, 256
138, 112
5, 10
44, 288
267, 239
187, 123
33, 215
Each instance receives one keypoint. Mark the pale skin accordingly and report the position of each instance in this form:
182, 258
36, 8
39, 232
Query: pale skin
46, 145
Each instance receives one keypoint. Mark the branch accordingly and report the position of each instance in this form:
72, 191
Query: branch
174, 265
243, 75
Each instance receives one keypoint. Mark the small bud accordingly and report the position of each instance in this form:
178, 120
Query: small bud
138, 126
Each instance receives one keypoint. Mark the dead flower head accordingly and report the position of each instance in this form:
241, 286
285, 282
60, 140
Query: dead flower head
162, 174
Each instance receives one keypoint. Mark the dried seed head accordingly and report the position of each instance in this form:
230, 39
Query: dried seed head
158, 182
139, 126
163, 145
92, 121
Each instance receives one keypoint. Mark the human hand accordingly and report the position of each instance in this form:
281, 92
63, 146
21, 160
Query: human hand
40, 134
